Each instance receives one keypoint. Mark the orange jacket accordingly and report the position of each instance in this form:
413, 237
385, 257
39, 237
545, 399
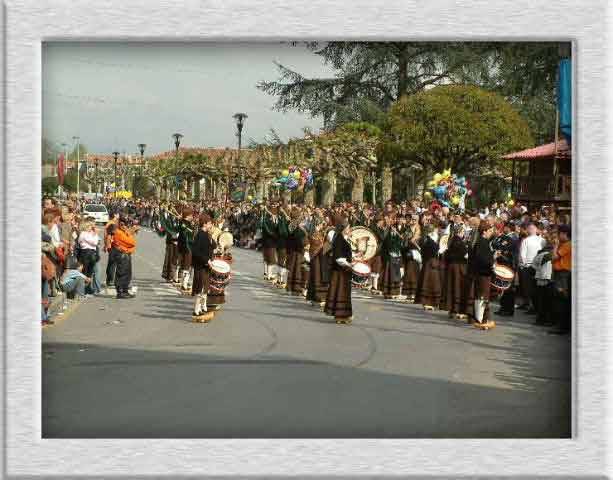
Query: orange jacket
124, 241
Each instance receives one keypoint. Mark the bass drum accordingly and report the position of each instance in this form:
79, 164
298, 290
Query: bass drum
363, 243
360, 272
502, 278
220, 275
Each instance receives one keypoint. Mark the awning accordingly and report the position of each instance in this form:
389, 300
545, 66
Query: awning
542, 151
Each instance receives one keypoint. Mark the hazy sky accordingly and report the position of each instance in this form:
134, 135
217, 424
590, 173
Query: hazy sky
116, 95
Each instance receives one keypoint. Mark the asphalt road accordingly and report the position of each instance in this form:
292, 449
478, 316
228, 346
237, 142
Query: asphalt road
270, 365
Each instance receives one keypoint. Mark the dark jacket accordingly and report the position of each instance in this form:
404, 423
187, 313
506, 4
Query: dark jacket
481, 258
203, 247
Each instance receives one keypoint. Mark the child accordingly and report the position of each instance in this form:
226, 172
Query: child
73, 281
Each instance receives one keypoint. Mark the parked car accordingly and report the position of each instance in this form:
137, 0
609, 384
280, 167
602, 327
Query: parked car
97, 211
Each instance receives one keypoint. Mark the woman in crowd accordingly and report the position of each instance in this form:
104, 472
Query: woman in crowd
429, 284
88, 252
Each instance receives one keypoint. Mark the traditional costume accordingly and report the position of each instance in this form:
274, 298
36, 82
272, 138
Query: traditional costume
296, 241
270, 237
412, 266
184, 241
456, 263
481, 261
391, 253
170, 226
281, 247
338, 300
319, 264
429, 284
202, 250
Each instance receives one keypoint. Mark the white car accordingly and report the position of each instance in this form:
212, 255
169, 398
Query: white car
97, 211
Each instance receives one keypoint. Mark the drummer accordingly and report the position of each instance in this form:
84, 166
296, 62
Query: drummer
481, 261
203, 247
338, 301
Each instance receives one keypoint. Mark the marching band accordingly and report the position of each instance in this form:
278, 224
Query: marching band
441, 264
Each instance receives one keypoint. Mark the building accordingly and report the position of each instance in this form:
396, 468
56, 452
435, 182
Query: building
542, 174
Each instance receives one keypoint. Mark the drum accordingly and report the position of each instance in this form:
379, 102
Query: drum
503, 277
220, 275
363, 243
360, 272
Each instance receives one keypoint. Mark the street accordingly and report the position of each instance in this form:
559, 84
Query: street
271, 365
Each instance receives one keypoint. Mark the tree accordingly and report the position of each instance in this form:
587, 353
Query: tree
49, 185
370, 76
462, 128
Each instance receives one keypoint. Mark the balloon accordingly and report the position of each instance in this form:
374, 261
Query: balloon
249, 198
431, 184
285, 173
455, 201
439, 192
427, 195
447, 173
297, 174
437, 177
469, 192
511, 203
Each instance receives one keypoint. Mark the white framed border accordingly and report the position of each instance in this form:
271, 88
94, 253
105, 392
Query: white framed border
27, 23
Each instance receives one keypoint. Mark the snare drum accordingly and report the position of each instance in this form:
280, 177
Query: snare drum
220, 274
503, 277
360, 271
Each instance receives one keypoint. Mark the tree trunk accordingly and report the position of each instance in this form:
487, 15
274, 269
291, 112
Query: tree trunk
357, 189
259, 189
386, 184
403, 65
328, 183
197, 189
309, 197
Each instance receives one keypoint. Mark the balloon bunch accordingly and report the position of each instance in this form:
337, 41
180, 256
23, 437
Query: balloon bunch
510, 202
294, 178
448, 190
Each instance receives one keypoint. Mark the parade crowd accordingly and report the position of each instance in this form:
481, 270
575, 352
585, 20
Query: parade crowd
426, 253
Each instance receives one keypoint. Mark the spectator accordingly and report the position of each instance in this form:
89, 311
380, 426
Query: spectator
74, 281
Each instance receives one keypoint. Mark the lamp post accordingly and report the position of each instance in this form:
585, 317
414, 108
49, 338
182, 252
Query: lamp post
177, 137
115, 157
96, 174
240, 123
78, 165
141, 148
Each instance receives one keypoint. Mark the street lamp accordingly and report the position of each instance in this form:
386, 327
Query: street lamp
115, 157
78, 165
240, 123
177, 137
141, 148
97, 184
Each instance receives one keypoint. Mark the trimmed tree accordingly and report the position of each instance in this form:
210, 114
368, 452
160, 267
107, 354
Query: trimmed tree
458, 127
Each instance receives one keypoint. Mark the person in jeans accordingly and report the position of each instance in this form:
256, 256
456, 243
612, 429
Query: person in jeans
109, 228
562, 267
73, 280
528, 249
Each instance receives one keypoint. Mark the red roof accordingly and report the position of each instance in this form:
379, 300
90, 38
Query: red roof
542, 151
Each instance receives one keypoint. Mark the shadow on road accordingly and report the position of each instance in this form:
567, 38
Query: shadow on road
98, 392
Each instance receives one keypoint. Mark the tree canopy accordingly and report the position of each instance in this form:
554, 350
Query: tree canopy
455, 127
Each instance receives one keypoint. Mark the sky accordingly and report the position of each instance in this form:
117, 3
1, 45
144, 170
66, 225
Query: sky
117, 95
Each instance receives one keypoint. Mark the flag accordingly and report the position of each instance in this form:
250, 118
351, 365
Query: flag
565, 98
60, 169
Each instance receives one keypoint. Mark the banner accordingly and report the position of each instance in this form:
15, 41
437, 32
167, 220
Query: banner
60, 169
565, 98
